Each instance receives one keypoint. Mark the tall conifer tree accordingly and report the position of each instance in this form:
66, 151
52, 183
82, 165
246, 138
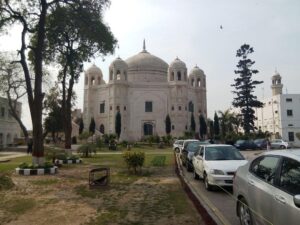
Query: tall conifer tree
244, 87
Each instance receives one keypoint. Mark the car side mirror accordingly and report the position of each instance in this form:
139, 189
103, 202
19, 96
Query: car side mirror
297, 200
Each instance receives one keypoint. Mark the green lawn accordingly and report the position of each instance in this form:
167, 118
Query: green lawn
152, 197
14, 163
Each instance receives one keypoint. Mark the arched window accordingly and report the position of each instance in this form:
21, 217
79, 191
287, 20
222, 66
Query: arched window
92, 80
178, 75
99, 80
185, 76
193, 82
172, 76
191, 107
148, 129
102, 128
198, 83
118, 75
110, 75
86, 80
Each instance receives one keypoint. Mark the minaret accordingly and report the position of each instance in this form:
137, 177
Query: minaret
276, 84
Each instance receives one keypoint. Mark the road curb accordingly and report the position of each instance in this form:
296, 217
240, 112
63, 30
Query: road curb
210, 214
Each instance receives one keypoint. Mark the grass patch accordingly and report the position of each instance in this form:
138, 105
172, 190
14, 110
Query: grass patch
85, 192
158, 160
44, 182
18, 206
14, 163
6, 182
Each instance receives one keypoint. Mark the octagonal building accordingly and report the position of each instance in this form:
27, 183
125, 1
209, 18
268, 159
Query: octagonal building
145, 89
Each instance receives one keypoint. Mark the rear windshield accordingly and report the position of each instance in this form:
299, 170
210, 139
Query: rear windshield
222, 153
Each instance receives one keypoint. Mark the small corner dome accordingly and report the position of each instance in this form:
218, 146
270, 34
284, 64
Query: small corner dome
94, 70
276, 76
177, 64
119, 63
196, 71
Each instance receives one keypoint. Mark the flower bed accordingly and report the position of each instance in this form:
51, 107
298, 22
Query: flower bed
27, 170
37, 171
67, 161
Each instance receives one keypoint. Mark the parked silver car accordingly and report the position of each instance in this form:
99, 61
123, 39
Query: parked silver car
279, 143
267, 189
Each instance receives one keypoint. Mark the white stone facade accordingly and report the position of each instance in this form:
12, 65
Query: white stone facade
280, 114
9, 128
145, 89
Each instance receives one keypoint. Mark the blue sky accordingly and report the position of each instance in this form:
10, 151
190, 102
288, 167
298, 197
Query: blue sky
190, 29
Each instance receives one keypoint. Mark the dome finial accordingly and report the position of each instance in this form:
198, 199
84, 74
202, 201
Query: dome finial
144, 46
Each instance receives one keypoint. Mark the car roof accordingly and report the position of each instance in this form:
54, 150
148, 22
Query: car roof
218, 145
291, 153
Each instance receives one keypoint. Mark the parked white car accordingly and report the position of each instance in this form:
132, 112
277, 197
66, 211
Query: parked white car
177, 145
217, 164
279, 143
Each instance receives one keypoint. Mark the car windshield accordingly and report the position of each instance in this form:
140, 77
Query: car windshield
222, 153
240, 141
258, 140
193, 147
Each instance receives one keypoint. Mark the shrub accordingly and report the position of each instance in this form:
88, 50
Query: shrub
86, 150
99, 143
6, 182
30, 166
134, 160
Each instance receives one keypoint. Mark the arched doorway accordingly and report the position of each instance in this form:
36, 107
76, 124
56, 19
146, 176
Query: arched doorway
148, 129
102, 128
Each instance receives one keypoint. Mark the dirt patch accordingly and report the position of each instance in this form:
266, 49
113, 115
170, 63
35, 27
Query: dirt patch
153, 198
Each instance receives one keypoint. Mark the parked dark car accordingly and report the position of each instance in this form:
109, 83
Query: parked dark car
188, 153
261, 143
245, 144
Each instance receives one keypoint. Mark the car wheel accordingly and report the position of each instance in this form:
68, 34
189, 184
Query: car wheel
177, 150
282, 146
196, 176
244, 212
206, 184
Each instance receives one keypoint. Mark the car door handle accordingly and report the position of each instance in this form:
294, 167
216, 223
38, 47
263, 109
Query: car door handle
280, 199
251, 182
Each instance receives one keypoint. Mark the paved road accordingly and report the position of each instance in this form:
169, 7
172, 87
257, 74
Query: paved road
221, 201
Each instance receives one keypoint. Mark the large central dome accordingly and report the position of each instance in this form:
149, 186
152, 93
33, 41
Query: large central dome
146, 67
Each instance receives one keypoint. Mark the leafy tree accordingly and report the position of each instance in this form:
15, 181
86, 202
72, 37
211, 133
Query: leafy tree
244, 88
168, 124
226, 119
92, 126
216, 125
32, 17
12, 85
81, 126
193, 124
74, 34
54, 122
118, 124
203, 126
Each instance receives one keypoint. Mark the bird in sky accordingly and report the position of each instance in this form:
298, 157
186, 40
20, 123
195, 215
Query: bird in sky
221, 27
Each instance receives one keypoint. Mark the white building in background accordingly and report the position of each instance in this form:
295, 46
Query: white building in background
144, 88
280, 114
9, 127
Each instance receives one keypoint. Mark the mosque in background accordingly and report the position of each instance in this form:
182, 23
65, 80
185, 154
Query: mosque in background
145, 89
280, 114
